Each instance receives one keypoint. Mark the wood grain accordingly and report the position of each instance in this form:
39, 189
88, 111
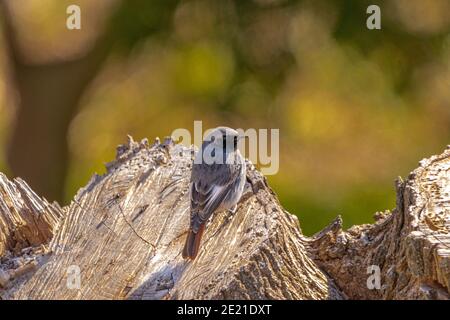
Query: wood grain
125, 231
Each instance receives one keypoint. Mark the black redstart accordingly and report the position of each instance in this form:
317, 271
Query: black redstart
217, 182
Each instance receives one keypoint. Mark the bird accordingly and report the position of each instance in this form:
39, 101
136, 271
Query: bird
217, 183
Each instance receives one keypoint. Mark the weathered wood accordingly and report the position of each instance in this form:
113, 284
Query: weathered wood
27, 223
411, 245
125, 231
25, 218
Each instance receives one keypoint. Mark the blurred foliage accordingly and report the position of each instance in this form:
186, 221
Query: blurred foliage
355, 107
5, 113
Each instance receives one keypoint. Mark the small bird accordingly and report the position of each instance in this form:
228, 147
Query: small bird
217, 183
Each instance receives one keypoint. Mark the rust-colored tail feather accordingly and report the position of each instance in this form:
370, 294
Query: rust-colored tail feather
192, 244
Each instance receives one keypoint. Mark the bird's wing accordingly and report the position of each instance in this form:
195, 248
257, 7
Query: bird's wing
209, 190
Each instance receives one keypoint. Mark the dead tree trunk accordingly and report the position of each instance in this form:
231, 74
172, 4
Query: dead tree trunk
122, 236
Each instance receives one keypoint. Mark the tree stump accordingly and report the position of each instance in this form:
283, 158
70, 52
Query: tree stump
122, 236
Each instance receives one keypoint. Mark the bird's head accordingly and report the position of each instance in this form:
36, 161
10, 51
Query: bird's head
223, 138
219, 146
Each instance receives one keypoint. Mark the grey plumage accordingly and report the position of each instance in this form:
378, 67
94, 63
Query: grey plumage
217, 182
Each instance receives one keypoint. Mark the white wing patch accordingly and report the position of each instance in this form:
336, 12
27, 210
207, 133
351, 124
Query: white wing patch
212, 197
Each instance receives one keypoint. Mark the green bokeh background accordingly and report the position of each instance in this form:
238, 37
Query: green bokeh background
355, 107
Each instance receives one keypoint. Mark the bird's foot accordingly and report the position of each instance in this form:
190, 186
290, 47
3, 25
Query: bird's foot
229, 214
232, 211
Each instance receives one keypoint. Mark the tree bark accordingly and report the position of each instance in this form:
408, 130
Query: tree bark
123, 233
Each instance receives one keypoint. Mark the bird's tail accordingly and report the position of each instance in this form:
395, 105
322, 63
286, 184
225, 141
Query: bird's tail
192, 244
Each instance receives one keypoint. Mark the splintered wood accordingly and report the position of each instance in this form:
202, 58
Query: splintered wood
122, 236
410, 246
25, 218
